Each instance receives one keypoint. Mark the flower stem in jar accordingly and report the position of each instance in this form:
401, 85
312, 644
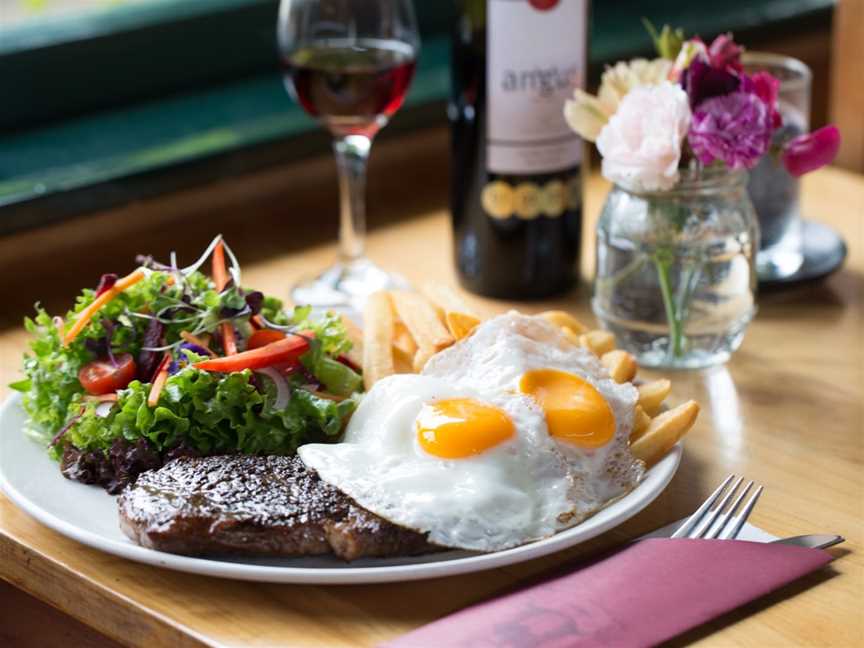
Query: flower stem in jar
663, 261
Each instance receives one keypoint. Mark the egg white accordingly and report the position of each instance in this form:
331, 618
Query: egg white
510, 494
494, 358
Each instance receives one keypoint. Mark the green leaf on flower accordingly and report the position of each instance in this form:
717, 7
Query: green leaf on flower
667, 41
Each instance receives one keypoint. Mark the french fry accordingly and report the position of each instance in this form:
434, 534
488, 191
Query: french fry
402, 363
597, 341
444, 298
664, 432
421, 358
620, 364
562, 320
422, 321
355, 335
402, 340
377, 339
404, 348
652, 395
460, 324
641, 421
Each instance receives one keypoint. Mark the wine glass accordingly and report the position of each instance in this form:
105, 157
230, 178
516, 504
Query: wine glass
349, 64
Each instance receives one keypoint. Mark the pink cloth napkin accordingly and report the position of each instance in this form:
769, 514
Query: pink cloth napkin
648, 592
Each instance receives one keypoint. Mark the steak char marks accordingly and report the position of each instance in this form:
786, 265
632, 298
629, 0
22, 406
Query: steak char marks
264, 506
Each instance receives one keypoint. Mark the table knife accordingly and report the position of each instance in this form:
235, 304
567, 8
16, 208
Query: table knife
816, 541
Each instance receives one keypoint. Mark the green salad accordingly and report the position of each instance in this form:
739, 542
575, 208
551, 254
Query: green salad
169, 361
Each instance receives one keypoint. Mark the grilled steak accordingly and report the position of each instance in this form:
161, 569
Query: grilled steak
266, 506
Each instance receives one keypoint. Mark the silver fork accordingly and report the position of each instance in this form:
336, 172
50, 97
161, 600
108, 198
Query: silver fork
721, 522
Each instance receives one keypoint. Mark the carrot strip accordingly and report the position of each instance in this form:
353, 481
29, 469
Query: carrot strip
257, 321
87, 314
220, 273
220, 278
229, 341
191, 339
159, 381
129, 280
101, 398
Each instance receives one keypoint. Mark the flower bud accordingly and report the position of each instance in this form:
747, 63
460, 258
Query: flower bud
811, 151
725, 54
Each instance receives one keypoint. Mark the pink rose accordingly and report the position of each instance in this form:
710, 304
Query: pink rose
641, 143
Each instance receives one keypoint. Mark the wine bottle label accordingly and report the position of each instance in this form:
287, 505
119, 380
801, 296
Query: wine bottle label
497, 199
535, 57
530, 200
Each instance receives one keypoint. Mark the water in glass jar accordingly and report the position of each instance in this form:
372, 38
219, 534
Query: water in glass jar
711, 288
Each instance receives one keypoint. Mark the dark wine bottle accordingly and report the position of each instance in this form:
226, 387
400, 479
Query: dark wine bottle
516, 190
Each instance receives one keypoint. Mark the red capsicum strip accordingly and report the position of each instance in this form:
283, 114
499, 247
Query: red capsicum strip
220, 278
285, 351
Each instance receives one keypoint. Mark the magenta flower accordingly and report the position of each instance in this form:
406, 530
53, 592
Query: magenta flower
811, 151
735, 129
766, 87
725, 54
701, 81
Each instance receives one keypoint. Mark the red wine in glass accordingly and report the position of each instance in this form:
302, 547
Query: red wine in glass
348, 63
353, 88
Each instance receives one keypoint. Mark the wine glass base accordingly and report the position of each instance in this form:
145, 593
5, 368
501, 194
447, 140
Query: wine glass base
345, 286
785, 256
778, 265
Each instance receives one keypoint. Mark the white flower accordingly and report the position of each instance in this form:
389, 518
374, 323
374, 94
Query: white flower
641, 143
622, 77
587, 114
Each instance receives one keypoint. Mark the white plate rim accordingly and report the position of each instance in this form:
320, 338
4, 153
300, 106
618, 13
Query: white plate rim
656, 480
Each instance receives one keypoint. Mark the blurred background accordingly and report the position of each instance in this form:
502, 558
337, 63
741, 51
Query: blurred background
133, 126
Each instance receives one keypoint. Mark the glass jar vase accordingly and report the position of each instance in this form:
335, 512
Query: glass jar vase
676, 275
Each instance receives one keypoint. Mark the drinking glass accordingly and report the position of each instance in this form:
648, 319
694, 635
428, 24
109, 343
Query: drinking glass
775, 193
348, 63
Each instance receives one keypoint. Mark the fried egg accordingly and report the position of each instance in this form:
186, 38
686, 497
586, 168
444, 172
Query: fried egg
588, 415
471, 469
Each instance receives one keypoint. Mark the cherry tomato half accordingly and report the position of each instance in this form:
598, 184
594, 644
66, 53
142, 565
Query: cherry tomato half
263, 337
102, 377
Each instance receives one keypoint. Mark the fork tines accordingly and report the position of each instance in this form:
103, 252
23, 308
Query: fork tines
722, 521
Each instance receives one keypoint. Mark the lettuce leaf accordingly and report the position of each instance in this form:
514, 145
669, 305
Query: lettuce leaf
329, 342
51, 389
51, 386
213, 413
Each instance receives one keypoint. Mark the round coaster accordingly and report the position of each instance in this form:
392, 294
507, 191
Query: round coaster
824, 253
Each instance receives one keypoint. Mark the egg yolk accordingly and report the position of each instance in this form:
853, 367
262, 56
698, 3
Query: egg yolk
575, 411
461, 427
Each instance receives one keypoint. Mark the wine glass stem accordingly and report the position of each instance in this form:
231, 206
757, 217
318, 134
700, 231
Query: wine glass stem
352, 153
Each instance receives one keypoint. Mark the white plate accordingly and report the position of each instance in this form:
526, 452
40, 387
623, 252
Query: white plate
89, 515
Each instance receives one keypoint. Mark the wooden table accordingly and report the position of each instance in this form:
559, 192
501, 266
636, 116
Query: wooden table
787, 410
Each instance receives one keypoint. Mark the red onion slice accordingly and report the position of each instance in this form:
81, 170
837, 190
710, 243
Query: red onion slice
283, 391
103, 409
